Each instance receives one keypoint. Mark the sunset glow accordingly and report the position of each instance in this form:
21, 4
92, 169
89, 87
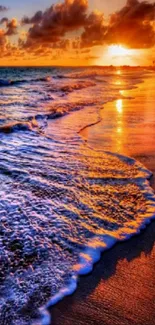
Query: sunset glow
77, 33
118, 50
77, 166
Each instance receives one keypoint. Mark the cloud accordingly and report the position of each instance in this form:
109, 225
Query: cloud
11, 27
137, 10
53, 24
3, 20
3, 8
2, 38
34, 19
91, 57
7, 49
70, 26
133, 25
94, 30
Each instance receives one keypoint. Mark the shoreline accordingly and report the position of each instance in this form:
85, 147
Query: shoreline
64, 306
108, 287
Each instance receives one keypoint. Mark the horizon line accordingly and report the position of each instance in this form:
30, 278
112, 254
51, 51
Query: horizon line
77, 66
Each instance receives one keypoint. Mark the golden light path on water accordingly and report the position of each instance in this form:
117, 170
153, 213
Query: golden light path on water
119, 129
119, 105
119, 112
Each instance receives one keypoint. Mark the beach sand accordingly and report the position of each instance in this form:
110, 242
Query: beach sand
120, 290
128, 125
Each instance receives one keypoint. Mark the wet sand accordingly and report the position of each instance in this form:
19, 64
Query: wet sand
128, 125
120, 290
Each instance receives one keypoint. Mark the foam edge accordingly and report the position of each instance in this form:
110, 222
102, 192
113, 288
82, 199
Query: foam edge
92, 253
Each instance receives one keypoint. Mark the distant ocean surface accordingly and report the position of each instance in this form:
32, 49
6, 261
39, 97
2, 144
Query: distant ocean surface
61, 202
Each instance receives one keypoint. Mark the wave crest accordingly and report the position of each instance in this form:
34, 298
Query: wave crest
5, 83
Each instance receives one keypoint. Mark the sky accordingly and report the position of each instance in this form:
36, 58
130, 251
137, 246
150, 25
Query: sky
77, 32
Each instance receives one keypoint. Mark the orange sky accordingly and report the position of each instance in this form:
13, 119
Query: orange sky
77, 32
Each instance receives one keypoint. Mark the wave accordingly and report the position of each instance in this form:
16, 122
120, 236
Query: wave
5, 83
60, 76
94, 198
105, 75
91, 254
37, 121
77, 86
18, 126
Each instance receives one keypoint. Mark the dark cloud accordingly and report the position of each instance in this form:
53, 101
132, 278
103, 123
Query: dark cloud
3, 8
137, 10
3, 20
76, 43
7, 48
64, 44
133, 25
94, 30
11, 27
135, 35
52, 25
34, 19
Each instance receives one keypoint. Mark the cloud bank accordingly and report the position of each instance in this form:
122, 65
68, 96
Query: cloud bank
71, 25
132, 26
3, 8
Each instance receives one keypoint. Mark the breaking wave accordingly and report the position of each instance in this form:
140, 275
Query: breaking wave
61, 203
60, 208
5, 83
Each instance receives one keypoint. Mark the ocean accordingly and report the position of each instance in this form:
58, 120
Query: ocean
62, 202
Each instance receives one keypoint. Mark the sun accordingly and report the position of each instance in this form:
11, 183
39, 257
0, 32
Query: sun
118, 50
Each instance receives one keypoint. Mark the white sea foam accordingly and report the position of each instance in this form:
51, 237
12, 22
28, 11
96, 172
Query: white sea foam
61, 203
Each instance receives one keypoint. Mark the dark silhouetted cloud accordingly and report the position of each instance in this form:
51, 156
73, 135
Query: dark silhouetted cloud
3, 8
3, 20
133, 25
70, 25
11, 27
52, 25
94, 30
34, 19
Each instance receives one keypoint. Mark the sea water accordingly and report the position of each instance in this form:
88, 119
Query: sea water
62, 203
